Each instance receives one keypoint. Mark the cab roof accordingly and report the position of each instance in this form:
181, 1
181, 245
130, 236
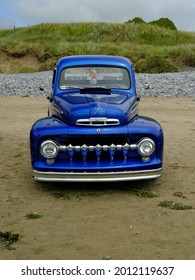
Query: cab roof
86, 60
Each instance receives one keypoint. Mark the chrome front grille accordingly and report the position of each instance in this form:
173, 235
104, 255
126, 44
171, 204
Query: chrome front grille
99, 150
98, 122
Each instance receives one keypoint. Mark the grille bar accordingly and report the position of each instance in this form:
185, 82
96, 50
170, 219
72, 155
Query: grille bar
98, 149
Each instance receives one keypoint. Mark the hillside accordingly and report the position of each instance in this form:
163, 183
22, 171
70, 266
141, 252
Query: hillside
152, 48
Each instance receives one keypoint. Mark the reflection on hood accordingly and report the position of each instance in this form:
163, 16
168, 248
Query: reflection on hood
94, 105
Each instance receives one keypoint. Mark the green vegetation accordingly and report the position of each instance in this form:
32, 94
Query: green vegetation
7, 238
179, 194
146, 193
175, 205
27, 70
33, 216
152, 47
162, 22
156, 64
74, 196
61, 195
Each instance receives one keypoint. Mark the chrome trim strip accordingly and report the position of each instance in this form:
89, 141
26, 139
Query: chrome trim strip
78, 148
96, 176
97, 122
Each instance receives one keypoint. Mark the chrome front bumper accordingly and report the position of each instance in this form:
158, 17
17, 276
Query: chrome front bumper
96, 176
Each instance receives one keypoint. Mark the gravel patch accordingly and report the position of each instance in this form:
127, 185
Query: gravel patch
165, 84
34, 84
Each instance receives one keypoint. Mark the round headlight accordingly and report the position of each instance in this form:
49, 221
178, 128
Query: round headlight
49, 149
146, 147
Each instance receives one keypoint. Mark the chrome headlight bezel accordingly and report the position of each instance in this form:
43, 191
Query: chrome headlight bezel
146, 147
49, 144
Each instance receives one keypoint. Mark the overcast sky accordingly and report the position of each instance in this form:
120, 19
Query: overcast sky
29, 12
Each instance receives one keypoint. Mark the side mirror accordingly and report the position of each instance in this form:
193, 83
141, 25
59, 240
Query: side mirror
146, 86
50, 98
41, 88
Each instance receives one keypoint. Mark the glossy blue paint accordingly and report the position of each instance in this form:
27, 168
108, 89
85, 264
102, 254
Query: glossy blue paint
69, 105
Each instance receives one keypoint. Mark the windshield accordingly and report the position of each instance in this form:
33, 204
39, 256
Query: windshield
100, 76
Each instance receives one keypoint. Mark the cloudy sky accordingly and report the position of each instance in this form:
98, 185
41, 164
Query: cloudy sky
29, 12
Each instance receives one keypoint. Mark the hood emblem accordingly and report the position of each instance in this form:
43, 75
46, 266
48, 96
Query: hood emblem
98, 130
98, 111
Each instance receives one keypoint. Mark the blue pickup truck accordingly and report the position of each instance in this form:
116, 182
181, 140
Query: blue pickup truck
93, 131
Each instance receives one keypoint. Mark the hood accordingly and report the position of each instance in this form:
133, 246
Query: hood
83, 106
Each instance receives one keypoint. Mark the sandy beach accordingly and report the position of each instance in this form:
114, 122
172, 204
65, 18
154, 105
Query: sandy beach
90, 221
